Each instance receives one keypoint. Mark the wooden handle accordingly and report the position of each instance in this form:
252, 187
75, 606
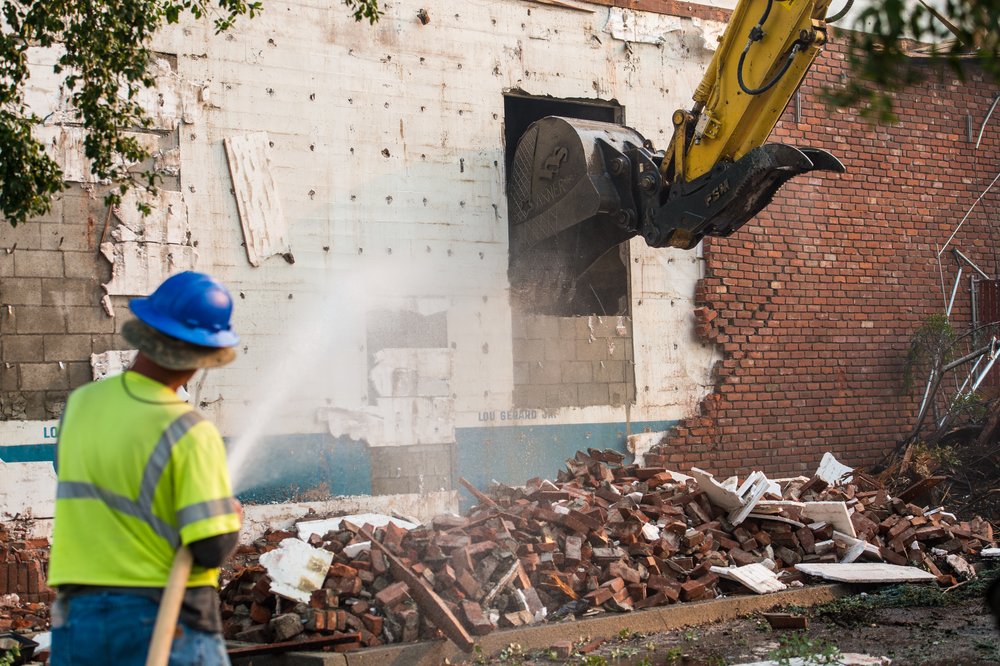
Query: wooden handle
170, 609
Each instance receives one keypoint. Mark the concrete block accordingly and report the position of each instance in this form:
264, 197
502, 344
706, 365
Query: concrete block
542, 326
559, 350
21, 348
9, 378
529, 395
6, 264
621, 394
88, 320
564, 395
21, 291
577, 372
25, 236
522, 373
569, 328
594, 394
70, 237
529, 350
38, 263
67, 348
79, 374
86, 265
585, 350
545, 373
44, 377
518, 325
61, 291
39, 320
609, 372
34, 406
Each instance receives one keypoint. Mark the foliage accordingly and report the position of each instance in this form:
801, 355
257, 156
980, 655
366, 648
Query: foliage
931, 345
104, 62
961, 30
9, 656
810, 650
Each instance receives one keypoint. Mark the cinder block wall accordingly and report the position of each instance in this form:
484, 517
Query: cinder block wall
51, 319
815, 301
572, 361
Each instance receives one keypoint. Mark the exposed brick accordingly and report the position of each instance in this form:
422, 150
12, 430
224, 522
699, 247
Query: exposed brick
38, 263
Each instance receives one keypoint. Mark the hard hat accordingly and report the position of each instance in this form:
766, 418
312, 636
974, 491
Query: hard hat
190, 306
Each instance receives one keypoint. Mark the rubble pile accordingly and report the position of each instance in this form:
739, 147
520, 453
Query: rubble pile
604, 536
24, 597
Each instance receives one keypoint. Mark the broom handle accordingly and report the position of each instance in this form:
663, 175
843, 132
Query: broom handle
170, 608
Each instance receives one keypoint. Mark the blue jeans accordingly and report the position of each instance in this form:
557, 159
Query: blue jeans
108, 629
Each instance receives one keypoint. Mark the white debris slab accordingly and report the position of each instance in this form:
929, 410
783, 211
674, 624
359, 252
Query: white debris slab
833, 471
261, 215
756, 577
866, 572
307, 528
720, 495
755, 491
641, 443
835, 513
990, 552
296, 569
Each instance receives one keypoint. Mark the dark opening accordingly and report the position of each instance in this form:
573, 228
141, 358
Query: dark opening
603, 290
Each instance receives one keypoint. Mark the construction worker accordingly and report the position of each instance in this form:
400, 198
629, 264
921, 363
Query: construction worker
140, 474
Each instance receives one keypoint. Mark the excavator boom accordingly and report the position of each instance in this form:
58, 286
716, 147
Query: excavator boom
579, 188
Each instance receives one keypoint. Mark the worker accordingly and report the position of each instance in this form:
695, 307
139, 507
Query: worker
141, 473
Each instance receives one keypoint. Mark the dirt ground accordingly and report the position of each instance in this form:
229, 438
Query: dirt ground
937, 631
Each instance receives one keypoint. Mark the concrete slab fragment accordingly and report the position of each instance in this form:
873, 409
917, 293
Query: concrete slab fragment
835, 513
754, 576
296, 568
833, 471
866, 572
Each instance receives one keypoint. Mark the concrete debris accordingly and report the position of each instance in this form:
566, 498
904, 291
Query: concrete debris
961, 567
786, 620
603, 536
24, 597
832, 471
296, 569
990, 552
867, 573
755, 576
641, 443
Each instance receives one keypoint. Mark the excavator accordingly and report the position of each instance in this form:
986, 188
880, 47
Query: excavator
580, 188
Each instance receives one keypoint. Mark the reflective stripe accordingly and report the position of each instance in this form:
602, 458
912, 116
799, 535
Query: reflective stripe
203, 510
84, 490
161, 454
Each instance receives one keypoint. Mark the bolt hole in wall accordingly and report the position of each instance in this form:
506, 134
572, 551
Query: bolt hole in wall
570, 304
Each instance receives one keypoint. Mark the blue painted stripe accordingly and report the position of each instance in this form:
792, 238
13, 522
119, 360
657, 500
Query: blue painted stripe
23, 453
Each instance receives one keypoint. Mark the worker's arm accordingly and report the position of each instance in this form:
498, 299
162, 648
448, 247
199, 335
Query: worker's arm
213, 551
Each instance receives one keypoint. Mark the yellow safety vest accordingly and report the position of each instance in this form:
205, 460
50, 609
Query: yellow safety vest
140, 472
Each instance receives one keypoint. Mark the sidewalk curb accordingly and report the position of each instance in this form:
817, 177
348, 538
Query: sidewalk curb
664, 618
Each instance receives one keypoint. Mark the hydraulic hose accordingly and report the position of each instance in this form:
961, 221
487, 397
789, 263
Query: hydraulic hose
757, 34
843, 12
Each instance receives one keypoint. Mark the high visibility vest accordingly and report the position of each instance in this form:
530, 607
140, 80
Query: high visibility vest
140, 472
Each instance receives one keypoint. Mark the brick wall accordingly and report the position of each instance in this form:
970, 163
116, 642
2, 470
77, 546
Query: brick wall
572, 361
814, 302
51, 318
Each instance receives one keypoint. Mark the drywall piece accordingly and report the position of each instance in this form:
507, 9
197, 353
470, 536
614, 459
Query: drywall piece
296, 568
754, 492
111, 363
990, 552
137, 267
866, 572
27, 489
754, 576
641, 443
662, 29
851, 542
257, 201
411, 373
720, 495
835, 513
854, 552
833, 471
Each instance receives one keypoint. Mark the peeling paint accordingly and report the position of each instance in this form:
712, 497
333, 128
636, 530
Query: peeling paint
257, 201
111, 363
411, 372
660, 29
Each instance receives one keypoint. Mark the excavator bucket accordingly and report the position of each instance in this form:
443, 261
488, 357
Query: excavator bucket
580, 188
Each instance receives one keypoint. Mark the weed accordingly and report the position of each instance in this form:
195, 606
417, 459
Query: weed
674, 654
512, 654
811, 651
9, 656
625, 634
593, 660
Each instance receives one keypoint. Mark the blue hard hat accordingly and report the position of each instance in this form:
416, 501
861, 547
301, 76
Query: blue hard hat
189, 306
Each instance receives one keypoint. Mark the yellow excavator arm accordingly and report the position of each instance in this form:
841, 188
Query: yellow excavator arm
579, 188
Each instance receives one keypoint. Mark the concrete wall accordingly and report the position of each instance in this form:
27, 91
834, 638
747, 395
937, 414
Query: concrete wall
337, 177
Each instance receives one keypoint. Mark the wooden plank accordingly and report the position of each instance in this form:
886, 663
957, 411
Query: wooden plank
866, 572
261, 216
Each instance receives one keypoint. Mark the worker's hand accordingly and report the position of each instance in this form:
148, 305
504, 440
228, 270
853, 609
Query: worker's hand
238, 509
